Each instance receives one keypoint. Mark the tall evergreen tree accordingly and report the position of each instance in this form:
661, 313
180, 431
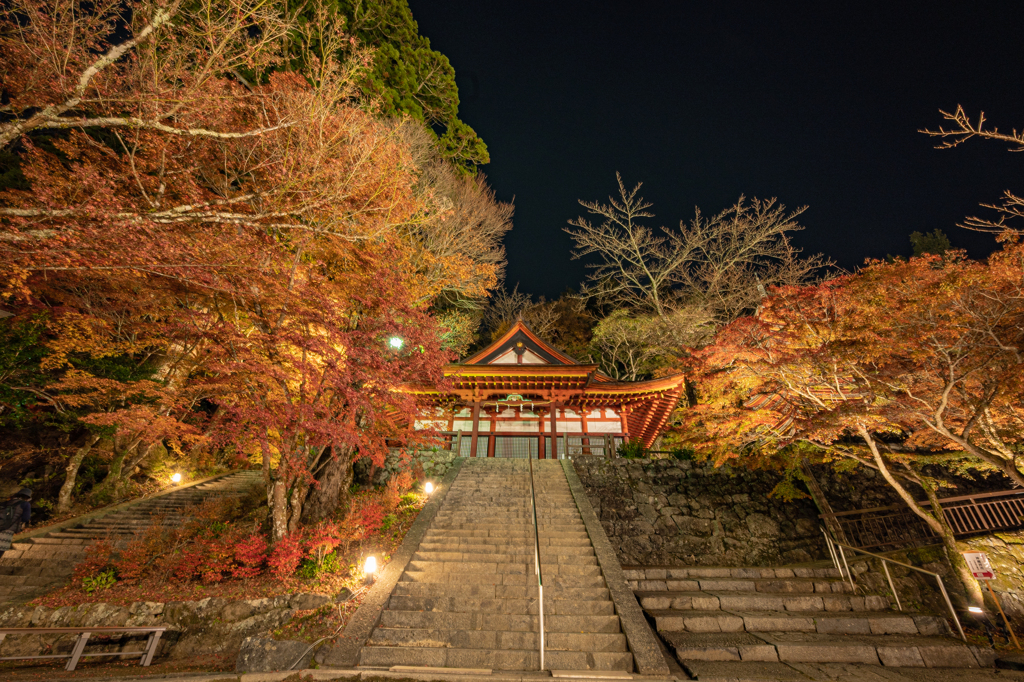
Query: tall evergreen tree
409, 77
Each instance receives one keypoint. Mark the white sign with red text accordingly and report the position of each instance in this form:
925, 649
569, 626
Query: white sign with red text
980, 566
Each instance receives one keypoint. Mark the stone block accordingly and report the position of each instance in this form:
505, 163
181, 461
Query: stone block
948, 657
682, 585
827, 653
265, 655
900, 656
763, 653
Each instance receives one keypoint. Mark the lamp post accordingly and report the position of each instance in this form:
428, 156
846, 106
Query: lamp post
369, 569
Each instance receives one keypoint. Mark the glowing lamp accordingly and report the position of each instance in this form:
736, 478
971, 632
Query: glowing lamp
369, 569
428, 487
176, 478
396, 342
974, 609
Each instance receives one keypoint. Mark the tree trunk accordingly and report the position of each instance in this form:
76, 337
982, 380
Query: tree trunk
331, 490
975, 597
936, 521
277, 494
113, 477
71, 474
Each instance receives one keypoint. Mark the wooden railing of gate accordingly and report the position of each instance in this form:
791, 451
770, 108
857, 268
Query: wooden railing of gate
521, 445
897, 526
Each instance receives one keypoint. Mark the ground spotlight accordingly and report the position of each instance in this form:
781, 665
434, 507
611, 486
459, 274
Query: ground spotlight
428, 487
974, 609
176, 478
369, 569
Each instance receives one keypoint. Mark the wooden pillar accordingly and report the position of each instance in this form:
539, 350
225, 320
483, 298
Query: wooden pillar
541, 452
492, 416
584, 432
554, 429
476, 429
623, 419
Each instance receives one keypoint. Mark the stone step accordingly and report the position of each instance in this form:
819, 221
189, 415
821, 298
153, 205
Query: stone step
26, 580
473, 578
494, 659
503, 533
822, 622
542, 527
889, 650
55, 541
753, 601
765, 585
491, 544
435, 620
490, 591
498, 639
491, 606
521, 568
687, 572
560, 555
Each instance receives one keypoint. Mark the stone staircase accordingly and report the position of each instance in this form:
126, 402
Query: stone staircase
36, 565
787, 623
468, 598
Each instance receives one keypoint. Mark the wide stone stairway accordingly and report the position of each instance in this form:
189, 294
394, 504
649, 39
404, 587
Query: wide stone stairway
36, 565
795, 624
469, 597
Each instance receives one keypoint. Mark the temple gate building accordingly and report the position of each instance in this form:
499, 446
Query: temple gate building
519, 397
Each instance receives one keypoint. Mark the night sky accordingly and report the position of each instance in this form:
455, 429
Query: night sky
818, 105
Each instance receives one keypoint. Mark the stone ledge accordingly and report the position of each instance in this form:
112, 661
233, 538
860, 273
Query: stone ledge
647, 654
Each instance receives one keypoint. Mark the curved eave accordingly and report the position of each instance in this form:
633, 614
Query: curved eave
511, 371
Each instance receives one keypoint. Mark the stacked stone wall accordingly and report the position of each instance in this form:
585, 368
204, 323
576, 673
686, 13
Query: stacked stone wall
678, 513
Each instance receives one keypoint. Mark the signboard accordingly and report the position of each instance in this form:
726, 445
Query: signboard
980, 566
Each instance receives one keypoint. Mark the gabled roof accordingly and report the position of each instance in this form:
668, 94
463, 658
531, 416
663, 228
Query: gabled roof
546, 373
519, 340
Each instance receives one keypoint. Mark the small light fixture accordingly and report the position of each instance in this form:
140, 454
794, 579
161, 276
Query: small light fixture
396, 342
369, 569
428, 487
176, 478
974, 609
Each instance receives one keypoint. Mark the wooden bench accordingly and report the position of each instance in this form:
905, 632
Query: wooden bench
77, 652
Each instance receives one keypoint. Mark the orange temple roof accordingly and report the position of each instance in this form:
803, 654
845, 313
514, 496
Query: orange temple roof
520, 363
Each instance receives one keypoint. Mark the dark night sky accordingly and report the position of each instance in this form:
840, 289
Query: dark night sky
817, 105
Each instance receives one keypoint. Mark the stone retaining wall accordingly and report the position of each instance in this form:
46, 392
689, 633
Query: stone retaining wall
435, 464
678, 513
196, 628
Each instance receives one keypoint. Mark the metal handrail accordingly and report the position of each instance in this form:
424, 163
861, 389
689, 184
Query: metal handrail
832, 545
536, 563
942, 501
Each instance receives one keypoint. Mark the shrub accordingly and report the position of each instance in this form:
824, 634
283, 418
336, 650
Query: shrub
250, 555
218, 559
389, 521
371, 518
285, 557
322, 540
684, 453
100, 581
310, 568
134, 561
392, 495
98, 558
632, 449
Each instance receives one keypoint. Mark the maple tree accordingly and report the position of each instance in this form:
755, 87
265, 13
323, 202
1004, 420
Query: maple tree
910, 368
247, 243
